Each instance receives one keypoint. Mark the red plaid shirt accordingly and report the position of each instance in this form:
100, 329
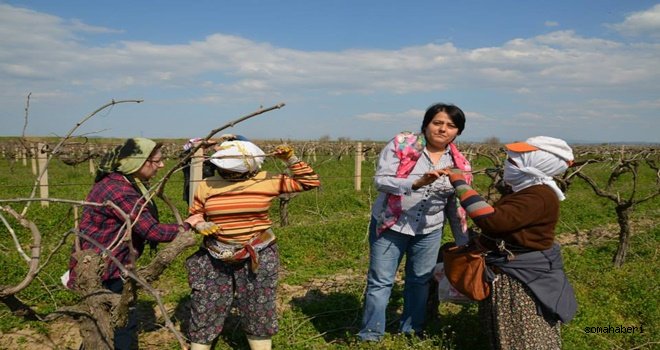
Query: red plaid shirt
103, 224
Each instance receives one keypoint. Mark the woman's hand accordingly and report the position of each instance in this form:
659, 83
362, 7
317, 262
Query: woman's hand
195, 219
284, 152
453, 174
203, 227
207, 228
427, 179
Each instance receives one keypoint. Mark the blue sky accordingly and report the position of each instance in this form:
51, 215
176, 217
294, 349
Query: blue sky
585, 71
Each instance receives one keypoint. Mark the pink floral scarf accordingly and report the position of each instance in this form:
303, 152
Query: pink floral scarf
408, 147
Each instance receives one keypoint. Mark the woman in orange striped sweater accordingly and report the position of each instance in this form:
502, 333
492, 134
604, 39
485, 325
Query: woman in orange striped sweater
238, 258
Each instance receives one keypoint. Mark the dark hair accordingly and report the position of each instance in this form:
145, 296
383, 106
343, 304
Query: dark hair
455, 114
234, 175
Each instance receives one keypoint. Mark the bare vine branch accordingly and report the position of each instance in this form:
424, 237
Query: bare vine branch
58, 147
36, 237
182, 161
17, 243
130, 273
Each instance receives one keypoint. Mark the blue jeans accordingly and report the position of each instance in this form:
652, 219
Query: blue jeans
386, 252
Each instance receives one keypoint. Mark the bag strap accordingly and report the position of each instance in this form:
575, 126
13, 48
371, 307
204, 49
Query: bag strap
499, 243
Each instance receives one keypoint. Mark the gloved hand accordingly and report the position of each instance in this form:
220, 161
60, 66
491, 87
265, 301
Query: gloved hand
284, 152
206, 228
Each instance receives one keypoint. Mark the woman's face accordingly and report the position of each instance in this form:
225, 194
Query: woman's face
150, 167
440, 131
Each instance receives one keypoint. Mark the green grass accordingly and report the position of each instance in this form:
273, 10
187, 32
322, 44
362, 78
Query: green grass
324, 251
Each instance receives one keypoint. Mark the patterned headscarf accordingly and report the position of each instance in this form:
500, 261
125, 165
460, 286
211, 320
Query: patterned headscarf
127, 158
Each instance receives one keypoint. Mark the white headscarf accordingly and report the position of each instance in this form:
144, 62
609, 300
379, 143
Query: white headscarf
534, 168
238, 156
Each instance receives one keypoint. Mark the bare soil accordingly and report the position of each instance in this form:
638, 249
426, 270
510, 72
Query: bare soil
63, 333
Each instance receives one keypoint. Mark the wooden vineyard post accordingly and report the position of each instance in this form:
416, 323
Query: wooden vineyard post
196, 164
42, 160
358, 167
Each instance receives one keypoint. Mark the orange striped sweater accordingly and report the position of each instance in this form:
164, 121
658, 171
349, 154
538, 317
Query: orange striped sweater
240, 208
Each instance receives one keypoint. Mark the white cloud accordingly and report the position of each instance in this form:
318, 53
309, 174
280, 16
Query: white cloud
77, 25
551, 23
43, 54
644, 22
244, 66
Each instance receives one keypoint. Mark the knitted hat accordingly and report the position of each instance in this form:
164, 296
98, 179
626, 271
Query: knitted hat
552, 145
238, 156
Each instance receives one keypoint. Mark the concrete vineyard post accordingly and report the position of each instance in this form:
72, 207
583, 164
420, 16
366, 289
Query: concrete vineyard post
358, 167
196, 163
42, 161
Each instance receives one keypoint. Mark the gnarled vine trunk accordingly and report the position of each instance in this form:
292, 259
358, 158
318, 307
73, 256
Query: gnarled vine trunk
623, 218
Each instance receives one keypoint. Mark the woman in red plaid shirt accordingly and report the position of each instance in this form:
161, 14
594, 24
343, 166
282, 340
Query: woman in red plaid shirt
123, 178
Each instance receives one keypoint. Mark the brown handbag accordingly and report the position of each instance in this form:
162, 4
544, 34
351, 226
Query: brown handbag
465, 268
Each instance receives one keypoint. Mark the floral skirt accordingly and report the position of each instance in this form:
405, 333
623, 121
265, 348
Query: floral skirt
217, 285
512, 320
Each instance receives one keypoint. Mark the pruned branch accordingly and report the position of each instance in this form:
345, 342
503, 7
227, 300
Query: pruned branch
35, 252
35, 249
58, 147
143, 279
184, 160
20, 250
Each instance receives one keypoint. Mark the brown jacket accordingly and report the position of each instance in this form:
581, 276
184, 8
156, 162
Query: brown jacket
524, 219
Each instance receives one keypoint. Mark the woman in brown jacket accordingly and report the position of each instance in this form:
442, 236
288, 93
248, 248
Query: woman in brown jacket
530, 295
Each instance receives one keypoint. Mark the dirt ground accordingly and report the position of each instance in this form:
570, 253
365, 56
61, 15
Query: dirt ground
63, 334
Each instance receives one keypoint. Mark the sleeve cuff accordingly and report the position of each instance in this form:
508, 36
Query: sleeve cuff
293, 160
407, 187
458, 182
